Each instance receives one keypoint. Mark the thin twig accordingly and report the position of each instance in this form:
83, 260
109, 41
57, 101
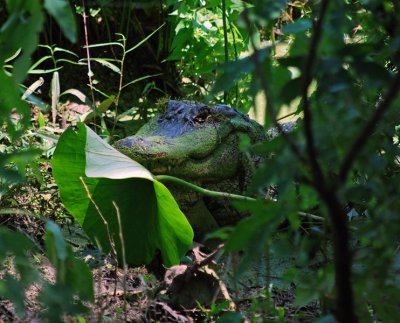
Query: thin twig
110, 238
311, 216
122, 241
287, 116
105, 222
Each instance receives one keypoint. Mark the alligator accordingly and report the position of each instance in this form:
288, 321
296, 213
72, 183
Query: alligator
198, 143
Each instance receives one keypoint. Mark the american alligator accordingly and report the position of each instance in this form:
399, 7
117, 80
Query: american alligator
198, 143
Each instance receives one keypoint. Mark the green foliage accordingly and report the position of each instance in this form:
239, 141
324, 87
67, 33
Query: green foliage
55, 88
339, 70
198, 44
214, 311
117, 65
21, 31
343, 153
18, 32
10, 287
18, 39
149, 215
73, 277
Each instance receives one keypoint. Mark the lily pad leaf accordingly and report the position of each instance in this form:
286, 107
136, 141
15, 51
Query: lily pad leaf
150, 217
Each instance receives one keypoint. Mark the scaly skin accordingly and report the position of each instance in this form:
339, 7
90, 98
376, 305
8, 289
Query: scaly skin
200, 144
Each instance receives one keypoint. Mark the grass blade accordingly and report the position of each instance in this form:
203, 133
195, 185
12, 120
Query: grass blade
104, 44
140, 79
144, 40
106, 63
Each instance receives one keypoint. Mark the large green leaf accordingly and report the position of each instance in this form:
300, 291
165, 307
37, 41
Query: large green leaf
151, 219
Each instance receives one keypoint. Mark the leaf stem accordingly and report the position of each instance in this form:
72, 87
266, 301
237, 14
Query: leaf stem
237, 197
198, 189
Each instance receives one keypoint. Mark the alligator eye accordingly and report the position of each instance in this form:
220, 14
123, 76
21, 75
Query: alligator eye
203, 115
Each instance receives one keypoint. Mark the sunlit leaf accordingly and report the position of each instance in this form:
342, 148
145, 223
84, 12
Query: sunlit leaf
82, 97
106, 63
106, 104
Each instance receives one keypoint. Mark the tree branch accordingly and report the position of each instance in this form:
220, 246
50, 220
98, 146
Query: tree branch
307, 78
344, 311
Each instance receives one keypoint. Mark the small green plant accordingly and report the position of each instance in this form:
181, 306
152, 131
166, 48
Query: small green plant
55, 81
55, 89
52, 56
117, 65
214, 311
263, 306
